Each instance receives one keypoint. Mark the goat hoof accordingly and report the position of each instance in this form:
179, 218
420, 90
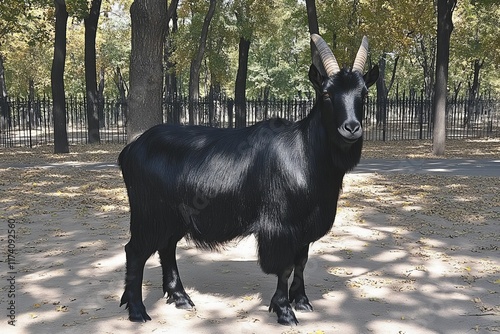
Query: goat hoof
303, 304
143, 317
137, 313
305, 307
285, 314
288, 319
182, 301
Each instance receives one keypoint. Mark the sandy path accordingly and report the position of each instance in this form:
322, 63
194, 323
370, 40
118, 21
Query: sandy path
409, 253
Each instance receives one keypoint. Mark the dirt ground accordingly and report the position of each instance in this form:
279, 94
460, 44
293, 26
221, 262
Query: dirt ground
407, 254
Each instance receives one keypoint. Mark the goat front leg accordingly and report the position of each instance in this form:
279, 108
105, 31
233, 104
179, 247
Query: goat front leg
280, 303
297, 289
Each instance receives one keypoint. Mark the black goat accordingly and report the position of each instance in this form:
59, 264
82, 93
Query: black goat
277, 180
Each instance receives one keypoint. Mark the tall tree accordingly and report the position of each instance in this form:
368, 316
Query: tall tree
243, 19
474, 49
24, 36
251, 15
383, 88
57, 79
279, 60
170, 90
241, 82
194, 72
312, 20
394, 42
312, 17
4, 105
444, 29
425, 53
146, 66
91, 22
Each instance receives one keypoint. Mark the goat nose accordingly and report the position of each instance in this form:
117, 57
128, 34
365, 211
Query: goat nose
351, 130
352, 127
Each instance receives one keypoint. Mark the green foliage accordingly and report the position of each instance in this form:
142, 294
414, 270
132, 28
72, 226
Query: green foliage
113, 45
78, 8
279, 61
476, 37
11, 16
221, 44
186, 40
279, 52
28, 51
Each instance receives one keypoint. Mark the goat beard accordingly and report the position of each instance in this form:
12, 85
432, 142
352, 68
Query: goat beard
351, 153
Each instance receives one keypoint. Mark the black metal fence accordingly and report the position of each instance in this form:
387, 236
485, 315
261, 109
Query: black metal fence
25, 122
404, 117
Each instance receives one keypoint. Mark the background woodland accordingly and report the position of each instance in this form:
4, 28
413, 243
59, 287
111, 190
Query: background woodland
402, 40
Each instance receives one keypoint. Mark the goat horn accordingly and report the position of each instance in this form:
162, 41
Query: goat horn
359, 62
327, 58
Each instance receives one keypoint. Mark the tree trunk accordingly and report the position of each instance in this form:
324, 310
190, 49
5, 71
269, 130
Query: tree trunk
383, 89
170, 76
427, 61
312, 21
444, 29
393, 75
212, 95
91, 22
146, 66
57, 79
194, 72
35, 114
312, 17
381, 93
100, 99
472, 105
478, 65
4, 104
241, 84
122, 107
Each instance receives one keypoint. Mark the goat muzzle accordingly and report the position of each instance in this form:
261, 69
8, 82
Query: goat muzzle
351, 131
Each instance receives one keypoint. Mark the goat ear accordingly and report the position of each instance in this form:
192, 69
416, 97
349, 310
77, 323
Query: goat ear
371, 76
316, 78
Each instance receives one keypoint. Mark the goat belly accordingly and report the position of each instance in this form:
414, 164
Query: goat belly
220, 220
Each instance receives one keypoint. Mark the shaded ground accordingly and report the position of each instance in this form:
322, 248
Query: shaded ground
409, 253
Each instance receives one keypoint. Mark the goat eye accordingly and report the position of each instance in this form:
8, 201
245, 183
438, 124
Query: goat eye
326, 95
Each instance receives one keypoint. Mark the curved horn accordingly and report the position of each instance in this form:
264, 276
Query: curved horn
359, 62
327, 58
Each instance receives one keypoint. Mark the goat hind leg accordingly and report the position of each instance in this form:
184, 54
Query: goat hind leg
132, 296
280, 303
172, 285
297, 289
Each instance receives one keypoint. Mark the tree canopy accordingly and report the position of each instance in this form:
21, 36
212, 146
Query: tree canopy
279, 53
